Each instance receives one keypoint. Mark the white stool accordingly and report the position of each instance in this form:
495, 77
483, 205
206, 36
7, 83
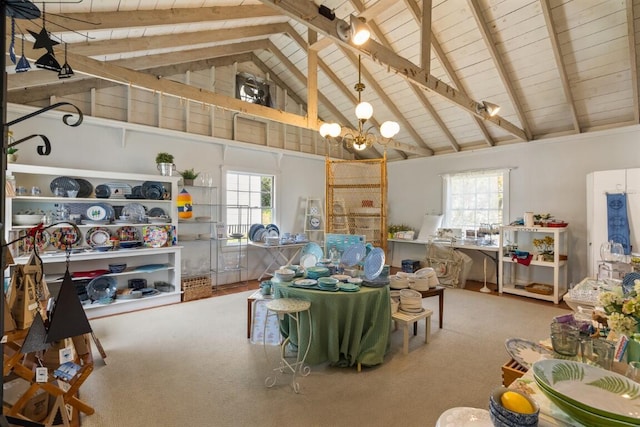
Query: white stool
408, 319
291, 307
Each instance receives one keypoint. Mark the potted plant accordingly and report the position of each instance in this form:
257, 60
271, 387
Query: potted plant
165, 164
188, 176
12, 157
545, 247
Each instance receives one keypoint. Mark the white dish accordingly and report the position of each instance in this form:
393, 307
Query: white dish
526, 353
465, 417
308, 260
305, 282
591, 388
27, 219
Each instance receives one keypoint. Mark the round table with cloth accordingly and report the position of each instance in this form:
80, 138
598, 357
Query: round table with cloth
348, 328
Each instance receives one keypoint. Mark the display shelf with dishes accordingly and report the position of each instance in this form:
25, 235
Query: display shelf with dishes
526, 272
314, 220
105, 230
211, 246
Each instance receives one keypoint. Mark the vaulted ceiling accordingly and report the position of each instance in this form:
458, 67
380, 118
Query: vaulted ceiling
555, 67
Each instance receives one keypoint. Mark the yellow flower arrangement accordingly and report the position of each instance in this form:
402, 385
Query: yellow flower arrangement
623, 309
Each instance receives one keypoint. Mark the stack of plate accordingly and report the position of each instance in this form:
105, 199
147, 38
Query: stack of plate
317, 272
590, 394
410, 301
328, 283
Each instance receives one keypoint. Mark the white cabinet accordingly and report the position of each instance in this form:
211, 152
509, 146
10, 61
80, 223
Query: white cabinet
156, 258
213, 247
529, 280
598, 185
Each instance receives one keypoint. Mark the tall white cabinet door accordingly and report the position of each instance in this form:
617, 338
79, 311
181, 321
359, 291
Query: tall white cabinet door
598, 185
633, 207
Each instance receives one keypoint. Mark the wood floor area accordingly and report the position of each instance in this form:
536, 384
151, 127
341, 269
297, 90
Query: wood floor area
471, 285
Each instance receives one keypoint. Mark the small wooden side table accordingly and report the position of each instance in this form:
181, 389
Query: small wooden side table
257, 295
439, 292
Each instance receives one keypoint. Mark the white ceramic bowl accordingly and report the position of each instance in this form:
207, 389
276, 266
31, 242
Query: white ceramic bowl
27, 219
284, 274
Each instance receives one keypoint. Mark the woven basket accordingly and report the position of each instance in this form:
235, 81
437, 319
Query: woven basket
196, 287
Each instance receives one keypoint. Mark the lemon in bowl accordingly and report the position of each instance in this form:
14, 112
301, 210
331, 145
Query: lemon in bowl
511, 408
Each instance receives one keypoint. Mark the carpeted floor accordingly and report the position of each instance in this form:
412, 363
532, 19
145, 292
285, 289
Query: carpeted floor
191, 364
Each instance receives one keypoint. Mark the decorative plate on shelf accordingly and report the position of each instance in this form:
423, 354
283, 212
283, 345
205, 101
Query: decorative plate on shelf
128, 233
152, 190
156, 212
98, 237
135, 211
102, 287
64, 183
42, 241
86, 188
96, 213
64, 237
525, 352
103, 191
154, 236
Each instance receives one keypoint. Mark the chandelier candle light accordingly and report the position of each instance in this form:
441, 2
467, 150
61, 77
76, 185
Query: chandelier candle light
362, 139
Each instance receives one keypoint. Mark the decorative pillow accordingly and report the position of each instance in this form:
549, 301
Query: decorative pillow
430, 225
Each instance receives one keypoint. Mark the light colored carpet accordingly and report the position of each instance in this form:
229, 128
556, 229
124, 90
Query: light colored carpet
190, 364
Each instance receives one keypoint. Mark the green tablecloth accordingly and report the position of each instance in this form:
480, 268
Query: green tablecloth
347, 327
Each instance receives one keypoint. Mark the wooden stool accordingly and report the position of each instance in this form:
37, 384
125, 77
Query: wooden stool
257, 295
407, 319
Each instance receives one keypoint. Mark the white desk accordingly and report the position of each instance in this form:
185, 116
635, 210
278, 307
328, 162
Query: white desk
280, 255
490, 251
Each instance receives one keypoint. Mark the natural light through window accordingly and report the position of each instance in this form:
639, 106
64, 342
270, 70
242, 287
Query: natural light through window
253, 190
476, 199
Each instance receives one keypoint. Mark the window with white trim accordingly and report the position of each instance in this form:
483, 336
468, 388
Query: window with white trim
253, 190
476, 198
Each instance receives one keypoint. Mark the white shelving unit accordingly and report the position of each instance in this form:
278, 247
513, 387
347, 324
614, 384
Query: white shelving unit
209, 248
514, 277
165, 259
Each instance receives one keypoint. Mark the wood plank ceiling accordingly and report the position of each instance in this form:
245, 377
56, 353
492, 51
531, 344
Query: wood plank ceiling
556, 67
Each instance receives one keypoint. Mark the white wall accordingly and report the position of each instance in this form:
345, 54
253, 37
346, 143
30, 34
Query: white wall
547, 176
114, 146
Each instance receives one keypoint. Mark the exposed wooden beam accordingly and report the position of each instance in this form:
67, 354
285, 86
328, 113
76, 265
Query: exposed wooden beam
426, 36
307, 14
168, 41
412, 6
499, 63
376, 9
564, 78
205, 64
633, 58
61, 88
189, 56
312, 86
83, 22
281, 83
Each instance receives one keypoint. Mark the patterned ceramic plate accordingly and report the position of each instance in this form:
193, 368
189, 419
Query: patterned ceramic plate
93, 242
590, 388
128, 233
348, 287
314, 249
98, 238
64, 183
97, 213
63, 237
42, 241
155, 237
525, 352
